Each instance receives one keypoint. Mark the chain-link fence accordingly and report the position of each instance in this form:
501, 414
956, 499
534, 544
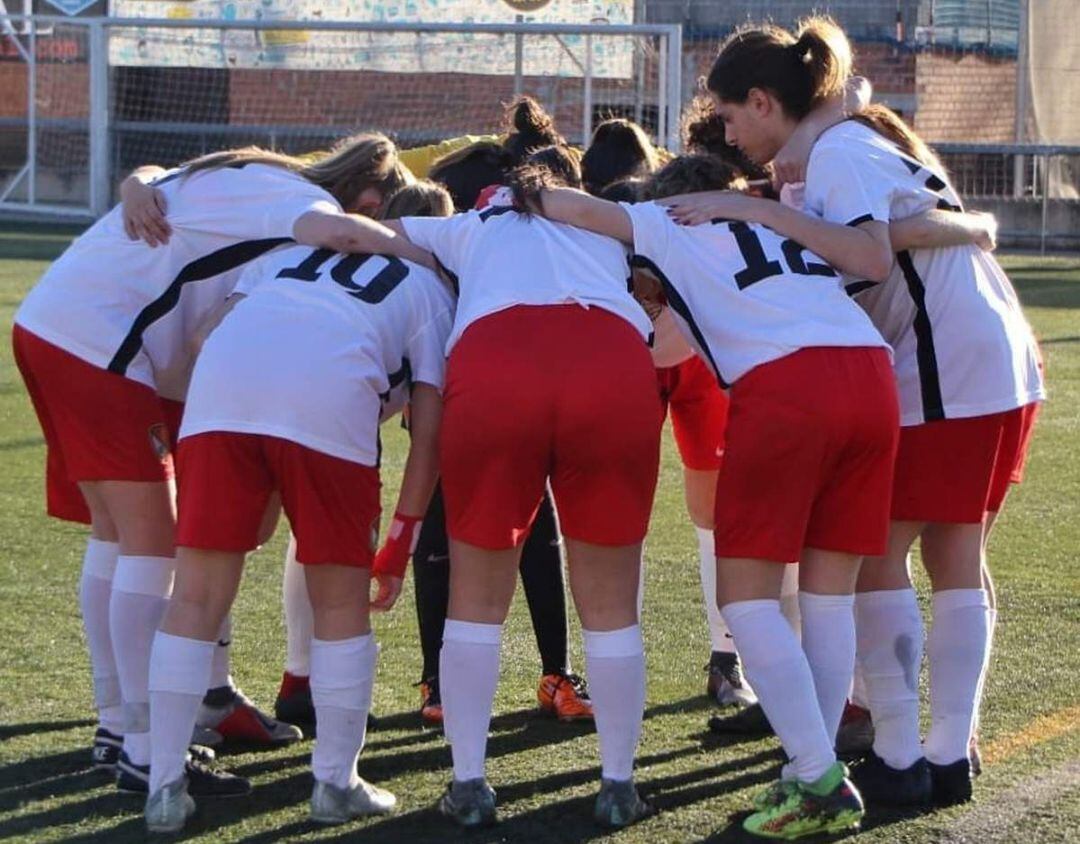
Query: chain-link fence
976, 78
92, 98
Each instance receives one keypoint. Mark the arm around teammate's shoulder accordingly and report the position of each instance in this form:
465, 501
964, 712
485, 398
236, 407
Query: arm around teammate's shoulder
566, 205
354, 233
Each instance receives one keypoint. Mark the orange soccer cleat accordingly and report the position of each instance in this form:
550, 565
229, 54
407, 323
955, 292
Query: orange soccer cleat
565, 696
430, 702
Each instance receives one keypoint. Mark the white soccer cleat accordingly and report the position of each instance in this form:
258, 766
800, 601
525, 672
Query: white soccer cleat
333, 805
168, 808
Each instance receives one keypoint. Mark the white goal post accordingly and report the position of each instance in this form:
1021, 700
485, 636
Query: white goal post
93, 97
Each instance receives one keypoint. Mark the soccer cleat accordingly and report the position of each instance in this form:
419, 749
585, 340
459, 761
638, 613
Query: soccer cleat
880, 784
168, 808
227, 717
618, 804
565, 696
333, 805
430, 702
726, 685
774, 795
470, 803
829, 805
293, 704
748, 721
855, 735
951, 784
202, 779
106, 750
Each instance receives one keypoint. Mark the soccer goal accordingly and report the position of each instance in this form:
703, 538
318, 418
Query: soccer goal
87, 99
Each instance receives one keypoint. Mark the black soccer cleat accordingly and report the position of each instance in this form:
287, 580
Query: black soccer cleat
882, 785
203, 780
106, 750
951, 784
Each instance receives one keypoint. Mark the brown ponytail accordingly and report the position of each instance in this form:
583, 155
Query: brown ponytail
529, 127
551, 167
800, 70
356, 163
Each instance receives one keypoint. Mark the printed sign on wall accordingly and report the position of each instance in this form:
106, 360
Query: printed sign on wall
389, 52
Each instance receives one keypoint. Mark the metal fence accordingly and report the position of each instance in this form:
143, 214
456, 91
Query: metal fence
1033, 189
92, 97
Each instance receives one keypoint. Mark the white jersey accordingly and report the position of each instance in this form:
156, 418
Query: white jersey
131, 308
669, 347
962, 345
324, 347
504, 258
744, 295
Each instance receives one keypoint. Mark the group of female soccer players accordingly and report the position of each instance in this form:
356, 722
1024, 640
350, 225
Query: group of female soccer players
881, 387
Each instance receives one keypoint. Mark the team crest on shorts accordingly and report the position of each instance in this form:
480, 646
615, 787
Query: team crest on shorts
159, 441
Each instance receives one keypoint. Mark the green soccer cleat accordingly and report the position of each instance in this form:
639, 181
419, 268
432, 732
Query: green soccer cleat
829, 805
774, 795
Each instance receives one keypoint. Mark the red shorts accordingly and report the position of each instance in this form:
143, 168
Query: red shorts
560, 392
958, 470
811, 441
98, 426
699, 409
225, 481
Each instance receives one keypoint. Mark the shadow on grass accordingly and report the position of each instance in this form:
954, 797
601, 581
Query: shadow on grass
9, 731
1045, 291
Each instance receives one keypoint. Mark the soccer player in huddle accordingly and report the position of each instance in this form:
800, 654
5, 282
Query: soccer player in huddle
289, 407
968, 372
102, 342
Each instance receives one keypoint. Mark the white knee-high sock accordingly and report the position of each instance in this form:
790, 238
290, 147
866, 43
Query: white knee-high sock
468, 675
789, 598
982, 680
299, 617
342, 677
219, 668
719, 635
889, 633
641, 587
179, 672
95, 594
141, 589
615, 663
958, 647
777, 668
828, 623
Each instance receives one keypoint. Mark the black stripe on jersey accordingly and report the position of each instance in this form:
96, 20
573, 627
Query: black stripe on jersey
857, 287
164, 180
398, 377
929, 379
678, 304
208, 266
913, 166
944, 205
935, 183
450, 274
495, 211
858, 221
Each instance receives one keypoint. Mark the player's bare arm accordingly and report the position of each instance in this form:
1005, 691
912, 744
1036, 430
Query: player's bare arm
863, 250
417, 485
566, 205
144, 206
355, 233
937, 228
789, 165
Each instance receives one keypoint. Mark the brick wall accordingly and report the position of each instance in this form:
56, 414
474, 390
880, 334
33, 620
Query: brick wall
965, 97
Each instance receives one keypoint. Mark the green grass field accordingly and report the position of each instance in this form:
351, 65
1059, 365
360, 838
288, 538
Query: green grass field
545, 773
